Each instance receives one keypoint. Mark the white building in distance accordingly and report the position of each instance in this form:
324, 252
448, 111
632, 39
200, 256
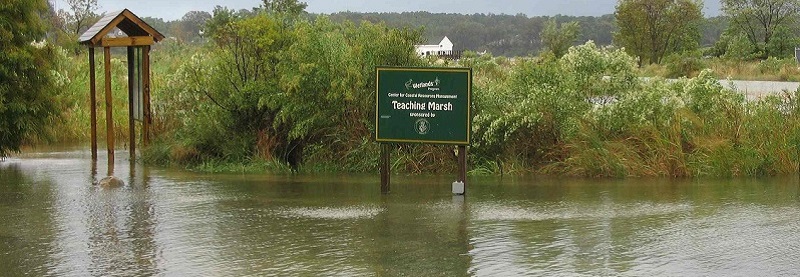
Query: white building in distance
444, 48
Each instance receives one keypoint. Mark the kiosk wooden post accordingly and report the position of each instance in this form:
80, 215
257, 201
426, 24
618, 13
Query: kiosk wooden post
93, 103
386, 169
462, 165
132, 74
147, 120
109, 103
140, 35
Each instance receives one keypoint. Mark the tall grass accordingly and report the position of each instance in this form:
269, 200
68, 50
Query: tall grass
771, 69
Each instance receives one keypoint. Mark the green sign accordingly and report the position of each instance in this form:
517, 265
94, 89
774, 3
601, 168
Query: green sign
423, 105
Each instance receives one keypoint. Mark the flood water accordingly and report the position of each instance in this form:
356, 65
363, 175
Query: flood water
168, 222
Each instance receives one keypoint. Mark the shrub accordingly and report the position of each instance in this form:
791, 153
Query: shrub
686, 64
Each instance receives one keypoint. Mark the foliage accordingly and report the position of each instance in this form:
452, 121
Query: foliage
653, 29
80, 16
68, 25
734, 46
686, 64
762, 21
275, 92
27, 95
558, 39
783, 43
291, 7
543, 119
269, 85
190, 27
712, 28
545, 100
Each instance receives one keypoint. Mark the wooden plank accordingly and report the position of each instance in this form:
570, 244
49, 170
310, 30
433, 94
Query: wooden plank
131, 123
462, 166
385, 169
146, 27
148, 120
109, 105
126, 41
94, 30
93, 102
103, 32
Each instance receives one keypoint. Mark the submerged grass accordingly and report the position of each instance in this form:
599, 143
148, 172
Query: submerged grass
251, 166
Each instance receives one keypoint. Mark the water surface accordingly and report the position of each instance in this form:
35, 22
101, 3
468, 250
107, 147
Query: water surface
170, 222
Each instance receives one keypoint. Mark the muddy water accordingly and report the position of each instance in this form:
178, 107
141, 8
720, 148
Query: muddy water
173, 223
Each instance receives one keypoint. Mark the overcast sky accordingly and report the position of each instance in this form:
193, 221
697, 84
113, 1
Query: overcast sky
175, 9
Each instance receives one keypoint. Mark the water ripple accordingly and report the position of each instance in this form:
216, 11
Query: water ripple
362, 212
493, 211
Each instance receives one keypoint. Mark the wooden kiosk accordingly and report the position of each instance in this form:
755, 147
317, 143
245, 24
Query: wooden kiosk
137, 36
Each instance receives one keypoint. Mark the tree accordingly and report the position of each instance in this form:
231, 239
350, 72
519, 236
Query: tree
761, 20
191, 25
557, 39
80, 16
653, 29
290, 7
158, 23
71, 23
27, 99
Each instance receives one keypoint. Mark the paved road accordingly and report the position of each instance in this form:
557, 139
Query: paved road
757, 89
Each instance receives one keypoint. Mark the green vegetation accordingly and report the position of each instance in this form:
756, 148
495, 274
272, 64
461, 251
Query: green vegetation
690, 65
275, 89
557, 39
26, 90
765, 24
653, 29
538, 118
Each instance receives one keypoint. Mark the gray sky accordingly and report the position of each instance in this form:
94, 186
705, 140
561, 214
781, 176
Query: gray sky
175, 9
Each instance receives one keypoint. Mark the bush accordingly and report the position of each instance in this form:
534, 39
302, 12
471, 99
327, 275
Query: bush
542, 102
686, 64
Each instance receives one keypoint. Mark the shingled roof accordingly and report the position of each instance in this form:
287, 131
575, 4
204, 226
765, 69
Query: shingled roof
126, 21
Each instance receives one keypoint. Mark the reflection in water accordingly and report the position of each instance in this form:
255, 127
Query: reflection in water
122, 227
25, 211
162, 222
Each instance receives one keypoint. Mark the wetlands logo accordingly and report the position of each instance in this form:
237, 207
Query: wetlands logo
430, 85
422, 126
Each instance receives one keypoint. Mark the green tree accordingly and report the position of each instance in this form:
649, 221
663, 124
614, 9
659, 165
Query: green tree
218, 26
191, 26
653, 29
762, 20
158, 24
73, 22
333, 66
27, 97
81, 15
557, 39
782, 43
290, 7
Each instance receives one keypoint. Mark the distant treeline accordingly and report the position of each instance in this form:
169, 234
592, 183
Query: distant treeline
499, 34
509, 35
